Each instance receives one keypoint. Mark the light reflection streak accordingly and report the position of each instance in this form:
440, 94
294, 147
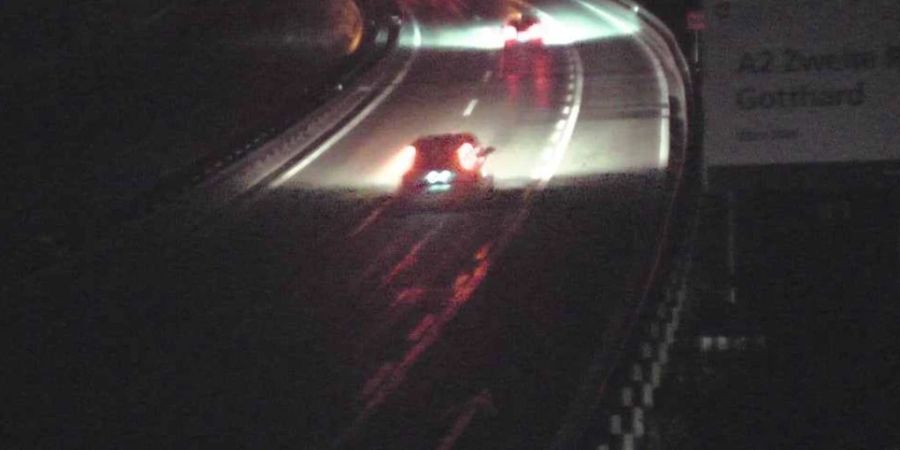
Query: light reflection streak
391, 374
560, 28
386, 381
566, 127
412, 257
542, 79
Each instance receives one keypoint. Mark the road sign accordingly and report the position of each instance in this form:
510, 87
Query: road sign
791, 82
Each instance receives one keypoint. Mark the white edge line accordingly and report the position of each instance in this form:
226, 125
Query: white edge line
470, 107
305, 162
660, 75
664, 143
566, 139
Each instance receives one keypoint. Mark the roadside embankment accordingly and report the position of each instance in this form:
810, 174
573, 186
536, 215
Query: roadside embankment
106, 102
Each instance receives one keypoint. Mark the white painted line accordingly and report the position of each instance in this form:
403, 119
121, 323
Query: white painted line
571, 86
647, 395
487, 76
664, 143
655, 374
659, 72
627, 442
470, 107
566, 110
554, 138
546, 171
615, 424
560, 124
309, 159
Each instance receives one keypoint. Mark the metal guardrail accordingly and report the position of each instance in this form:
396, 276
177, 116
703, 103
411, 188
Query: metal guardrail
627, 375
631, 393
351, 93
239, 172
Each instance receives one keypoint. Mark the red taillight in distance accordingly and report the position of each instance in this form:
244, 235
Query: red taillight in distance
467, 155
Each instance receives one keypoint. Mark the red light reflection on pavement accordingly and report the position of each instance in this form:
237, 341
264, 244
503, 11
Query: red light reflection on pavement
542, 79
532, 66
391, 374
411, 258
465, 285
510, 77
482, 401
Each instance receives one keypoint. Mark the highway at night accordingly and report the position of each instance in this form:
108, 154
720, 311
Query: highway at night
312, 311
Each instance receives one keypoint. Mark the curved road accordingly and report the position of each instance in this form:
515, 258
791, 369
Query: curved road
313, 314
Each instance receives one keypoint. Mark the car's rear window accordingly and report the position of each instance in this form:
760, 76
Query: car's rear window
435, 153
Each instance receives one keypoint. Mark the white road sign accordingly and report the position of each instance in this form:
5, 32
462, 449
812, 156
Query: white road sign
802, 81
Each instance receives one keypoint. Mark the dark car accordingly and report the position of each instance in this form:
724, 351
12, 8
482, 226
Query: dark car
523, 28
445, 166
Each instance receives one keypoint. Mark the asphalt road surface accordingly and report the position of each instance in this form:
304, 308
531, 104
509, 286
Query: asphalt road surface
314, 313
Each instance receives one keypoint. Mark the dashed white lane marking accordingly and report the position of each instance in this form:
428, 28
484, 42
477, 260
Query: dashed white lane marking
560, 144
566, 110
487, 76
470, 107
305, 162
659, 71
554, 138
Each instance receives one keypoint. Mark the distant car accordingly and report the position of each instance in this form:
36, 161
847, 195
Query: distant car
523, 28
445, 167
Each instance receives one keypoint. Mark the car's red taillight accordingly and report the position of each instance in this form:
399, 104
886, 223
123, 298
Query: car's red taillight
467, 156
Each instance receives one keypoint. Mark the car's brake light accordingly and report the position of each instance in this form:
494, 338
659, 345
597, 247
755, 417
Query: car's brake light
467, 156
